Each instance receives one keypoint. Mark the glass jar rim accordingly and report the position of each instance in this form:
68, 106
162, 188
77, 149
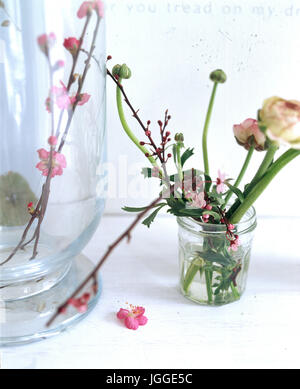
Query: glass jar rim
247, 224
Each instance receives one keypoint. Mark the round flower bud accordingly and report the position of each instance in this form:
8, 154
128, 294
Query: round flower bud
218, 76
121, 71
281, 119
125, 72
116, 70
179, 137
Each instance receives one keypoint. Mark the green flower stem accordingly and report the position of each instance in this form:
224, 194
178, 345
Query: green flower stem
241, 175
205, 131
208, 280
179, 166
260, 172
264, 165
190, 275
128, 131
234, 291
257, 190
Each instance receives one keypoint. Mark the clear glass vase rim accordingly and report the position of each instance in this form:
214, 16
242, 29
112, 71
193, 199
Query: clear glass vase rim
247, 224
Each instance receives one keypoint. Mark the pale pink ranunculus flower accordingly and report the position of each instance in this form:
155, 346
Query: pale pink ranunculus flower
88, 6
282, 121
221, 182
133, 317
248, 134
58, 163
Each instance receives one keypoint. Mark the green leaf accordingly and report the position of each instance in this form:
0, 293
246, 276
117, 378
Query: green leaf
150, 219
131, 209
236, 191
215, 215
147, 172
208, 182
15, 194
186, 155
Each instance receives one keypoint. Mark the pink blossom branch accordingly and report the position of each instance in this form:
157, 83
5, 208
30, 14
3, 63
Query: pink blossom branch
41, 206
81, 81
93, 274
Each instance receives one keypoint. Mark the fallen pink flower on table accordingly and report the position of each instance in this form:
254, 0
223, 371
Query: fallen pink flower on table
133, 317
58, 163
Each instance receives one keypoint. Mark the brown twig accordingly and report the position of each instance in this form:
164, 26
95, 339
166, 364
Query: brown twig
92, 275
161, 156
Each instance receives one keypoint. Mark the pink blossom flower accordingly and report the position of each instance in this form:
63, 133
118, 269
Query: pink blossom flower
220, 182
62, 98
248, 134
58, 65
71, 44
234, 243
48, 104
52, 141
58, 163
197, 199
99, 7
88, 6
133, 318
155, 172
82, 99
45, 42
30, 208
80, 303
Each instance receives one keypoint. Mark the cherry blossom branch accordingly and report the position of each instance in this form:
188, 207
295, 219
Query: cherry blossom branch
41, 206
93, 274
81, 81
75, 60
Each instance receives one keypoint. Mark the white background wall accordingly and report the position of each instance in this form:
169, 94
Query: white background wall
171, 47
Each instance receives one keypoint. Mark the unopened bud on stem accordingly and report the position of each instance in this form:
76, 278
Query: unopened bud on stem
121, 71
218, 76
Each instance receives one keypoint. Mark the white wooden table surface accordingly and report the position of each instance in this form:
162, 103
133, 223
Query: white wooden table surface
259, 331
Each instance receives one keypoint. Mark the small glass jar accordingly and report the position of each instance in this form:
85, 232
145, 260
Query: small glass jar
211, 273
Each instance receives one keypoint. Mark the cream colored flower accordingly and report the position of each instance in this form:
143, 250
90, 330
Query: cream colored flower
282, 121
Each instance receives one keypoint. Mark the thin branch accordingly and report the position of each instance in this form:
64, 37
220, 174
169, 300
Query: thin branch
92, 275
